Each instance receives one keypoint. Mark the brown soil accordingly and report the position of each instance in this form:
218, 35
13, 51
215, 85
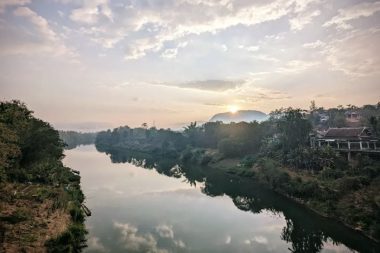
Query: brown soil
26, 222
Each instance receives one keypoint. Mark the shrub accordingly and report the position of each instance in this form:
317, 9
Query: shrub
77, 214
230, 147
329, 173
347, 184
71, 240
248, 161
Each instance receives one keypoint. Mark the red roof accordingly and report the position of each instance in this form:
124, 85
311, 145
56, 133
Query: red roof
348, 133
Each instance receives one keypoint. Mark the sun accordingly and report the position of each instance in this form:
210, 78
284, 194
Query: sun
233, 108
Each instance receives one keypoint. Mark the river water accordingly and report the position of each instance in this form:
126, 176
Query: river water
143, 204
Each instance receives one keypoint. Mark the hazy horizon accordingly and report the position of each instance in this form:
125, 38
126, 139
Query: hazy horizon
91, 65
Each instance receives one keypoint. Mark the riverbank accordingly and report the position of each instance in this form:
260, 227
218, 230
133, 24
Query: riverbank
350, 198
28, 220
353, 200
40, 218
40, 198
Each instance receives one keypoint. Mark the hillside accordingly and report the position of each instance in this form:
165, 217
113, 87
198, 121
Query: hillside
239, 116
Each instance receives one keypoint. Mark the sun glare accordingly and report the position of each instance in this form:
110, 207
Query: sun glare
233, 108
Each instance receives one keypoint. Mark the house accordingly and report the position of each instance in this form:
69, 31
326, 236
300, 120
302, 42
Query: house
323, 118
358, 139
352, 118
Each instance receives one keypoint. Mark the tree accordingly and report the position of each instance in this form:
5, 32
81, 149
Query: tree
230, 147
191, 131
10, 150
294, 129
313, 107
373, 121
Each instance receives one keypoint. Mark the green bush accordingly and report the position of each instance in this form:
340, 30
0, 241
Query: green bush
70, 241
329, 173
77, 214
348, 184
230, 147
248, 161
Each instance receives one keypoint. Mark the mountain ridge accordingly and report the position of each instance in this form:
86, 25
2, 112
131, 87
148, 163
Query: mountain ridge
239, 116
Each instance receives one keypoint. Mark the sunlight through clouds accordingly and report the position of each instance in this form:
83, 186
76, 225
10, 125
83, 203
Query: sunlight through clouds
195, 56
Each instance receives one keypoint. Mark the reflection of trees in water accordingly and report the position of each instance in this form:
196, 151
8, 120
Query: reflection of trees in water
249, 204
303, 240
305, 231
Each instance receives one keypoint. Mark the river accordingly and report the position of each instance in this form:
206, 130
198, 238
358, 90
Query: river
143, 204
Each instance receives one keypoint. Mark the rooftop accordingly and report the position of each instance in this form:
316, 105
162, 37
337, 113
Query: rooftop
348, 132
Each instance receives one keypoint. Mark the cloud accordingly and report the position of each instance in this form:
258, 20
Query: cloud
209, 85
297, 66
139, 48
146, 26
36, 37
92, 11
356, 54
262, 95
40, 23
315, 44
249, 48
341, 21
301, 20
172, 52
6, 3
265, 57
249, 93
301, 5
324, 96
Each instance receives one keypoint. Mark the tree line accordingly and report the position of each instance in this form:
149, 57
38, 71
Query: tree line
72, 139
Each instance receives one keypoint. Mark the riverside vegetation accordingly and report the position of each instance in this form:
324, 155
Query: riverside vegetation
275, 153
40, 198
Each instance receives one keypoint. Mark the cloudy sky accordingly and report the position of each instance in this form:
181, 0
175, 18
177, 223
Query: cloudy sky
86, 64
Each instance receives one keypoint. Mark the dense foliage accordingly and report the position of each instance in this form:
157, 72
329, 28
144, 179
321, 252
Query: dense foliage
31, 152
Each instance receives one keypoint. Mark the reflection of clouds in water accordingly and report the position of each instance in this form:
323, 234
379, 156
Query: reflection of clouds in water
179, 244
94, 244
106, 188
165, 231
134, 241
185, 192
260, 239
334, 247
257, 239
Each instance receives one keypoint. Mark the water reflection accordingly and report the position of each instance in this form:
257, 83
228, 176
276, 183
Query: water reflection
304, 231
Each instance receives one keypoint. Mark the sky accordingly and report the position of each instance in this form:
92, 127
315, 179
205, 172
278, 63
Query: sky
98, 64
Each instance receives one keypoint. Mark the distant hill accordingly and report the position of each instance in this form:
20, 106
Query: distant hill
243, 115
